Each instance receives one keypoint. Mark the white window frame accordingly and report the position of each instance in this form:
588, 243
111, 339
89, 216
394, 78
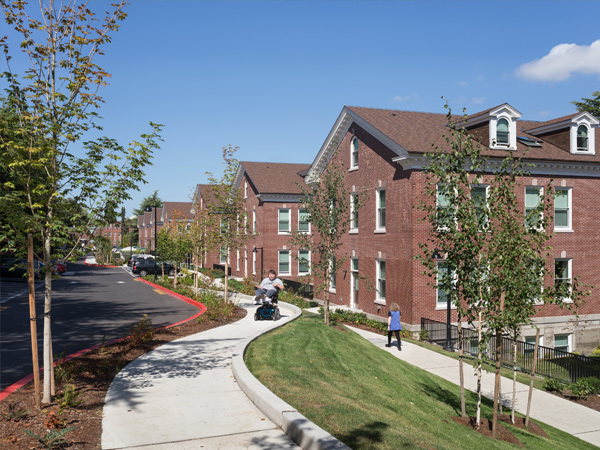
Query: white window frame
254, 263
512, 133
353, 213
569, 274
442, 305
354, 282
569, 341
569, 227
487, 189
245, 188
354, 153
332, 278
378, 227
223, 255
380, 299
289, 262
302, 211
238, 259
591, 150
300, 272
289, 228
254, 221
540, 191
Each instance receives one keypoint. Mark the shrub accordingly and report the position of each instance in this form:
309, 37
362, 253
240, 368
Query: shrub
290, 297
216, 307
15, 413
594, 383
350, 317
552, 385
52, 438
423, 335
142, 332
596, 351
71, 398
581, 389
236, 285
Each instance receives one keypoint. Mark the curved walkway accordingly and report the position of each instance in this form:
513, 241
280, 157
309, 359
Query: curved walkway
184, 395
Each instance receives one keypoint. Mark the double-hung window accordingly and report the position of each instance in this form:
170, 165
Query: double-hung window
284, 221
353, 212
562, 342
562, 209
502, 133
380, 205
444, 213
253, 221
582, 139
533, 195
284, 262
332, 276
303, 262
442, 288
563, 277
380, 282
479, 196
354, 153
303, 221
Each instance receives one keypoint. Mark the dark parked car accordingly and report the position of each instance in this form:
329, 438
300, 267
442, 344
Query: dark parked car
134, 257
16, 269
145, 266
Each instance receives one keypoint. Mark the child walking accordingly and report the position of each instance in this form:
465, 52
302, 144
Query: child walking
394, 325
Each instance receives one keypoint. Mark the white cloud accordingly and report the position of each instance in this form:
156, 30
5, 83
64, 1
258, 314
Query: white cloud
399, 98
563, 61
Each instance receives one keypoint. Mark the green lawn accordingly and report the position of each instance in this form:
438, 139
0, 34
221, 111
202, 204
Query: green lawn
367, 397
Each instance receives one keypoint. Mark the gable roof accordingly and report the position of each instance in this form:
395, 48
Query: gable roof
206, 192
176, 210
270, 178
412, 134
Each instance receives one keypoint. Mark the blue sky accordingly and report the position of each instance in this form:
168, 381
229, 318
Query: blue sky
272, 76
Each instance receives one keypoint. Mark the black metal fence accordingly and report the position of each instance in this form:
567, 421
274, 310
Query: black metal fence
302, 289
551, 363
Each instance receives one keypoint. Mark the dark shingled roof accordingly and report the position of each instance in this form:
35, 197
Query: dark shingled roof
419, 132
276, 178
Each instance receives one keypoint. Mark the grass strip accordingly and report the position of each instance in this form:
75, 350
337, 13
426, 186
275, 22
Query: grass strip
370, 399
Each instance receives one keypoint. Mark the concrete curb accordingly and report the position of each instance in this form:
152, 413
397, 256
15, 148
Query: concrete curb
305, 433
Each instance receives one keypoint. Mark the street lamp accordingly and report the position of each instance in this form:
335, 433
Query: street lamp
149, 209
448, 347
255, 250
129, 234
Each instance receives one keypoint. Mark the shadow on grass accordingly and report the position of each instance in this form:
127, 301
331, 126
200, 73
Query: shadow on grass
443, 395
364, 436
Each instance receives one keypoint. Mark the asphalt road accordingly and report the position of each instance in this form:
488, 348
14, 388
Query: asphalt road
88, 303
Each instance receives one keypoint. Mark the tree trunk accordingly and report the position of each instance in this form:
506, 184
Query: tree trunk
497, 381
47, 395
33, 323
479, 358
514, 391
535, 356
326, 311
461, 373
226, 278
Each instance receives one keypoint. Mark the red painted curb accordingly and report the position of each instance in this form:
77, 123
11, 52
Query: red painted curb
22, 382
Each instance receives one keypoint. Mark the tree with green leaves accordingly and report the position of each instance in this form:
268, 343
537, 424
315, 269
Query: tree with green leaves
327, 205
200, 238
174, 241
228, 207
151, 201
55, 103
591, 105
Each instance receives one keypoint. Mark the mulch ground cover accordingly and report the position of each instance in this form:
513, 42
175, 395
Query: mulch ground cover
90, 376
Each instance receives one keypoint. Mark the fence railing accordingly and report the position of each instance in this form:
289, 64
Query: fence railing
551, 362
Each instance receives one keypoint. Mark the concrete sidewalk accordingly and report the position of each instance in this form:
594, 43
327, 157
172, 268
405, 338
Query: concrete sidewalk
562, 414
184, 395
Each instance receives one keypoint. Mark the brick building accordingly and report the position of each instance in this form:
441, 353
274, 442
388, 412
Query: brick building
165, 214
385, 153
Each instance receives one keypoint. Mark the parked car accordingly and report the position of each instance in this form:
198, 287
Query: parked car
59, 266
134, 257
16, 269
145, 266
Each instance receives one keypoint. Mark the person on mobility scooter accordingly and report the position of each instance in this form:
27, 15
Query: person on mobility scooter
267, 295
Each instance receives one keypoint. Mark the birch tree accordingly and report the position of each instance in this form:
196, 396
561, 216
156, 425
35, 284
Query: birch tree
56, 101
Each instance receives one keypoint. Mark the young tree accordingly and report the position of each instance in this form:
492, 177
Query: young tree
174, 241
55, 105
228, 205
327, 205
200, 238
591, 105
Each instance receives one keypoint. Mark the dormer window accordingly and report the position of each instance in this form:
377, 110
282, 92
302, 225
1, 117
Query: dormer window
582, 139
502, 133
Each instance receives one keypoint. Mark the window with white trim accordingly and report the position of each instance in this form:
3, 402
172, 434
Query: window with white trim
303, 221
284, 262
380, 213
332, 276
253, 221
479, 196
444, 214
563, 276
529, 349
354, 272
380, 268
303, 262
238, 260
441, 290
245, 188
223, 253
562, 342
533, 196
354, 153
353, 212
284, 221
582, 139
254, 262
562, 209
502, 133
